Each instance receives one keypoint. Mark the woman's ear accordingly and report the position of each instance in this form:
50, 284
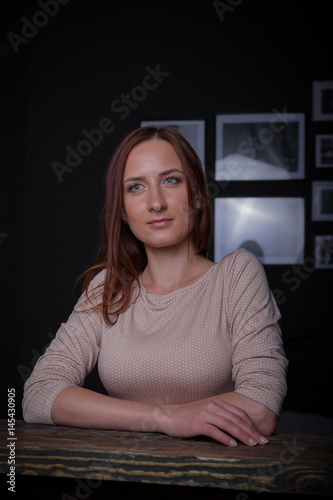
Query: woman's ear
197, 205
123, 216
196, 197
197, 200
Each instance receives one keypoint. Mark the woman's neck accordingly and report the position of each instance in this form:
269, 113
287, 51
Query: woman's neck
168, 270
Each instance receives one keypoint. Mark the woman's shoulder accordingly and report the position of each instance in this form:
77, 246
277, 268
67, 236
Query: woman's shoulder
94, 291
99, 277
239, 266
238, 259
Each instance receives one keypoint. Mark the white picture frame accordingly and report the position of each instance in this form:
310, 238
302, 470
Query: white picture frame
273, 228
324, 150
322, 101
263, 146
322, 200
323, 251
192, 130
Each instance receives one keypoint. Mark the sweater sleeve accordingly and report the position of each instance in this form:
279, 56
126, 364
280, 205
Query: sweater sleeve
259, 362
67, 361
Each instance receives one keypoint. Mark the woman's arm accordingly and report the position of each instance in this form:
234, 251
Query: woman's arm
81, 407
259, 363
264, 419
67, 361
214, 417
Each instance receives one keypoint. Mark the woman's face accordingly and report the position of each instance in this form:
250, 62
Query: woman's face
155, 199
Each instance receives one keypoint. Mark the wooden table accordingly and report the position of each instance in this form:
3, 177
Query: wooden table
288, 463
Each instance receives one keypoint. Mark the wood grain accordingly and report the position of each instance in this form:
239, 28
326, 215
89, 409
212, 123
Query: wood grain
288, 463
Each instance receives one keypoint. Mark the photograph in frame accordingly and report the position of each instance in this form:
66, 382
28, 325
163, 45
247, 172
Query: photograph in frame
322, 101
324, 150
192, 130
264, 146
271, 228
323, 251
322, 200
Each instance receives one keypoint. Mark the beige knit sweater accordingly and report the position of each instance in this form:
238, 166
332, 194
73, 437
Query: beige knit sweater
217, 335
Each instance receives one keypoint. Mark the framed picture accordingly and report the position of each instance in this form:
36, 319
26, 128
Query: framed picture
322, 101
322, 200
267, 146
271, 228
324, 150
192, 130
323, 251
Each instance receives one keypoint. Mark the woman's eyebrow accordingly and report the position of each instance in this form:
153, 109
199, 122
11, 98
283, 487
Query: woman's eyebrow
130, 179
161, 174
166, 172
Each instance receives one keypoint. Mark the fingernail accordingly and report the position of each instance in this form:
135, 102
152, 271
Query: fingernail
233, 443
263, 440
252, 442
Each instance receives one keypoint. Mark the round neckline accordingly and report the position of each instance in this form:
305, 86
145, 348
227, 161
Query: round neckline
178, 290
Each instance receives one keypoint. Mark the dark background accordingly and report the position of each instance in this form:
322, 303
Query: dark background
257, 56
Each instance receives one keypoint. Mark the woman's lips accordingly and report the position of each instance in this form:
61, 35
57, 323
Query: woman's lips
159, 222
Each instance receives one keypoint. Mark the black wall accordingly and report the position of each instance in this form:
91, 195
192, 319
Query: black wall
64, 78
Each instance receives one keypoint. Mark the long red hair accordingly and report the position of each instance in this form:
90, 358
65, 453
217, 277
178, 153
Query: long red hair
120, 253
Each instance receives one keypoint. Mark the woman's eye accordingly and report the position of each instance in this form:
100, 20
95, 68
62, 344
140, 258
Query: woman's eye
171, 180
135, 187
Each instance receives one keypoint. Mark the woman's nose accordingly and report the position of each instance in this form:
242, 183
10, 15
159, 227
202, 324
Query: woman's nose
156, 200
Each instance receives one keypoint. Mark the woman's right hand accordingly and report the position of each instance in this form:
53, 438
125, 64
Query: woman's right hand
214, 418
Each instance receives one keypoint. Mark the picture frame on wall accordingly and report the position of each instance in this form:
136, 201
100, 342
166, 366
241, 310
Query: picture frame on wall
322, 101
263, 146
324, 150
322, 200
273, 228
323, 251
192, 130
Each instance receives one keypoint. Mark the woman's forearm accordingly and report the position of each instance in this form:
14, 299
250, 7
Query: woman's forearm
219, 417
263, 418
80, 407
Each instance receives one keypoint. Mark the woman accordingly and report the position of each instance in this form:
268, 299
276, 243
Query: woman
184, 346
